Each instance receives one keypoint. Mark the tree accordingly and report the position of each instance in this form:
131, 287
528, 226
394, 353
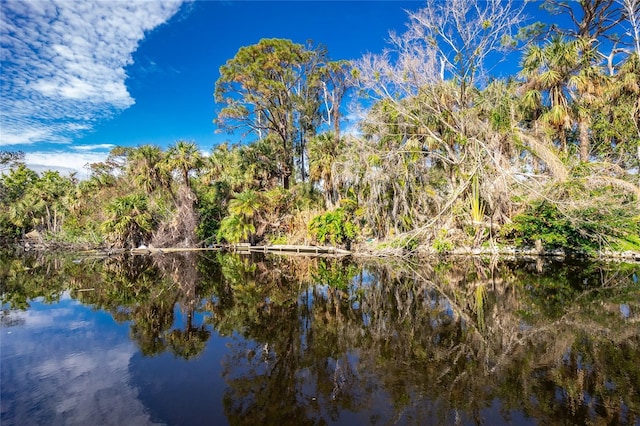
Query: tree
616, 126
130, 221
50, 197
9, 159
234, 229
590, 19
13, 212
424, 127
565, 73
459, 35
15, 183
184, 157
243, 208
40, 202
263, 90
145, 165
632, 10
336, 80
246, 204
593, 27
324, 151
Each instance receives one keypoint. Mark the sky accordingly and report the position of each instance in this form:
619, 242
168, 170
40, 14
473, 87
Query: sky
80, 77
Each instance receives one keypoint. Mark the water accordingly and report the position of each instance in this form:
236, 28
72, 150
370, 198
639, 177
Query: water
226, 339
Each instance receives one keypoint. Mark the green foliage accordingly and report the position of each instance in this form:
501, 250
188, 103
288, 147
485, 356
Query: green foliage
543, 221
278, 239
246, 204
130, 222
334, 227
585, 229
405, 242
210, 212
442, 244
234, 229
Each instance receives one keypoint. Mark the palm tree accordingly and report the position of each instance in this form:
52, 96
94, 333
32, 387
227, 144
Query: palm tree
240, 224
622, 113
130, 221
235, 228
568, 73
323, 152
548, 70
246, 204
184, 157
145, 165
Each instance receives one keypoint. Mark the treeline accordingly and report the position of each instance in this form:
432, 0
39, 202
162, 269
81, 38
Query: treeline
450, 147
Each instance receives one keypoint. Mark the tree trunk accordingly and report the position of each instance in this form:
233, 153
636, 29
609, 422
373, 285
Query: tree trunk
185, 175
584, 140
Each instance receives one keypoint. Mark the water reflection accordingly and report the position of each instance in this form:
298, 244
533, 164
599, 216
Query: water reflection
316, 341
63, 380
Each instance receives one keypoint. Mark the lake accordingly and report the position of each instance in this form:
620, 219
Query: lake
213, 338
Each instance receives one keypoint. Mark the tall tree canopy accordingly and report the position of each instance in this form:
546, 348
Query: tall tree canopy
276, 89
257, 87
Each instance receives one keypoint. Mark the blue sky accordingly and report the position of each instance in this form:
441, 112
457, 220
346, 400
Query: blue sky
81, 77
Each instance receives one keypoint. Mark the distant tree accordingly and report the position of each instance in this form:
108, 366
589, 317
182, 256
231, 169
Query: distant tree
15, 183
9, 159
13, 212
38, 202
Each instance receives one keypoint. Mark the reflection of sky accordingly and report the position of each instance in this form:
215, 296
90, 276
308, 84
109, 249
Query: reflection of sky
66, 364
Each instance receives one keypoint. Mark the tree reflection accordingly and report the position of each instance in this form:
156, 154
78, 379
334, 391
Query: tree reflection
431, 343
318, 340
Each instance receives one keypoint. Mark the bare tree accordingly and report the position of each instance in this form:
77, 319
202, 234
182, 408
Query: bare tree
425, 121
632, 11
445, 41
464, 33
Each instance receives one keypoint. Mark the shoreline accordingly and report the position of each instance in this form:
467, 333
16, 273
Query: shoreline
359, 251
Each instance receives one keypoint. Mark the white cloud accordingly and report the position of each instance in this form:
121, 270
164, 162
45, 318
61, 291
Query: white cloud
63, 63
66, 162
103, 146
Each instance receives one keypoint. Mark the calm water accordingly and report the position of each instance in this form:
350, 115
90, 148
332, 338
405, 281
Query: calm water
225, 339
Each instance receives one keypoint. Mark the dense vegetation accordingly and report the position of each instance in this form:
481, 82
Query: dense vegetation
447, 150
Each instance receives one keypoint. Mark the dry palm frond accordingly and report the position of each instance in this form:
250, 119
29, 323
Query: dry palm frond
596, 181
178, 230
546, 154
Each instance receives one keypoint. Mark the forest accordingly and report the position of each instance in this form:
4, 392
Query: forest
427, 147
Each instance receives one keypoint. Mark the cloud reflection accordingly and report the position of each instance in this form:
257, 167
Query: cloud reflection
79, 377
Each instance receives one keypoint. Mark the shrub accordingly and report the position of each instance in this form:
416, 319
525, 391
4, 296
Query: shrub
578, 229
334, 227
442, 244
